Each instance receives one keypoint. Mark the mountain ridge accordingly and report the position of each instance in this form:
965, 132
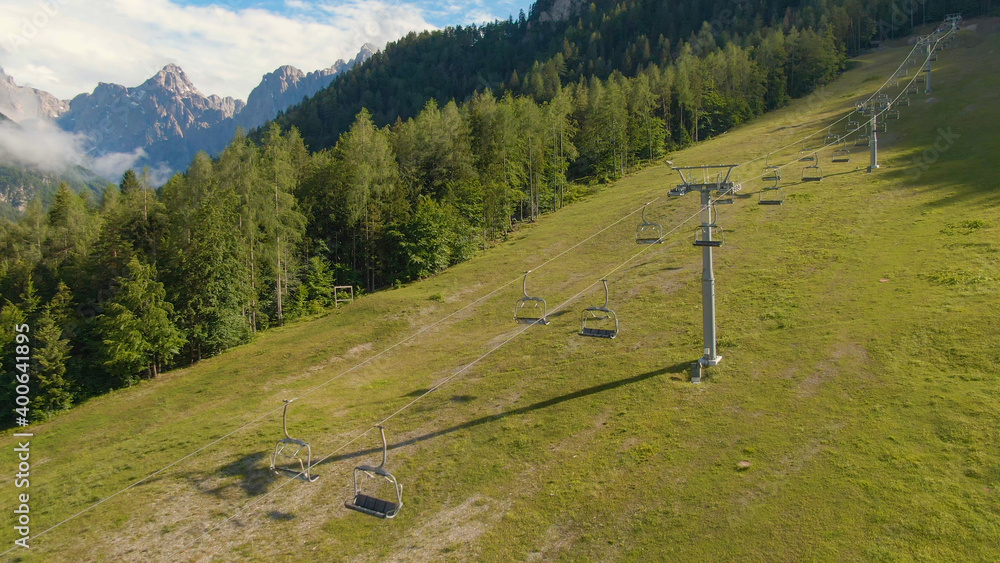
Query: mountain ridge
164, 121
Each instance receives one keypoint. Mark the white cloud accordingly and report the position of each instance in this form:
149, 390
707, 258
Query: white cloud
41, 145
67, 46
113, 165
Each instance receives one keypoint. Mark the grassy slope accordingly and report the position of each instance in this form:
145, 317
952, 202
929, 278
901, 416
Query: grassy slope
868, 409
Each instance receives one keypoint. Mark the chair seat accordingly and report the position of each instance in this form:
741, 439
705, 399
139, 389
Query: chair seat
599, 332
373, 506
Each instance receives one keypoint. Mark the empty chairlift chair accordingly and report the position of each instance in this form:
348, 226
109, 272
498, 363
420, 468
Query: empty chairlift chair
863, 138
371, 505
600, 322
771, 196
648, 232
772, 172
529, 310
304, 467
904, 101
715, 234
831, 137
812, 173
842, 155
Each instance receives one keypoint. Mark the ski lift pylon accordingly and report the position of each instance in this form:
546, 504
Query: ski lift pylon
648, 232
370, 505
305, 468
598, 321
529, 310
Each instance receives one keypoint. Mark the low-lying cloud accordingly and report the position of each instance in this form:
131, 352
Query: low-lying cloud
41, 145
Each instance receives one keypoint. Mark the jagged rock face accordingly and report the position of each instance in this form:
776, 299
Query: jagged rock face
165, 107
560, 10
19, 103
282, 89
287, 86
166, 116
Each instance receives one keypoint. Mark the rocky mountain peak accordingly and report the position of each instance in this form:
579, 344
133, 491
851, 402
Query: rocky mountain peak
19, 103
173, 79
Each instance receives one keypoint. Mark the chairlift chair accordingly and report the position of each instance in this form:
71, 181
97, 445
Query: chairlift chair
772, 172
852, 125
862, 140
370, 505
903, 101
717, 236
598, 321
305, 468
727, 191
771, 196
529, 310
812, 173
921, 79
912, 89
842, 155
648, 232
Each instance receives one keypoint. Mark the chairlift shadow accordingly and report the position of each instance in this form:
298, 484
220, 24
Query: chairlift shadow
280, 516
253, 478
603, 387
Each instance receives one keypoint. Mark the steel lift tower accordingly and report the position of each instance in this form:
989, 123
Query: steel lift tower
723, 187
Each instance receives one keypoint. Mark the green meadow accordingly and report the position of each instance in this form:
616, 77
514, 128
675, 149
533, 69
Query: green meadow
858, 323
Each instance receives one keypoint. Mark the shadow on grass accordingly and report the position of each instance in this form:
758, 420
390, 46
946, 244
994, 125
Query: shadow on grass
253, 478
674, 369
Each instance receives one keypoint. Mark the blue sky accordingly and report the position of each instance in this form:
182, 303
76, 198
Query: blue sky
224, 46
441, 14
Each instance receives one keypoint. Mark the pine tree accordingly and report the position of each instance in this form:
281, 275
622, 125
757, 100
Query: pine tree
50, 356
138, 335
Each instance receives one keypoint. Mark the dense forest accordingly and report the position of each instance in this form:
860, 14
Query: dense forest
580, 39
117, 289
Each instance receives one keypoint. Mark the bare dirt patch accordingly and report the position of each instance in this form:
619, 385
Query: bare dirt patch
451, 531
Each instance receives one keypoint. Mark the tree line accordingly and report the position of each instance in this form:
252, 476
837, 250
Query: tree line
119, 289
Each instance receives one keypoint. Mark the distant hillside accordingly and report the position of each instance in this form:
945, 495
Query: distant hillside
577, 39
19, 185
